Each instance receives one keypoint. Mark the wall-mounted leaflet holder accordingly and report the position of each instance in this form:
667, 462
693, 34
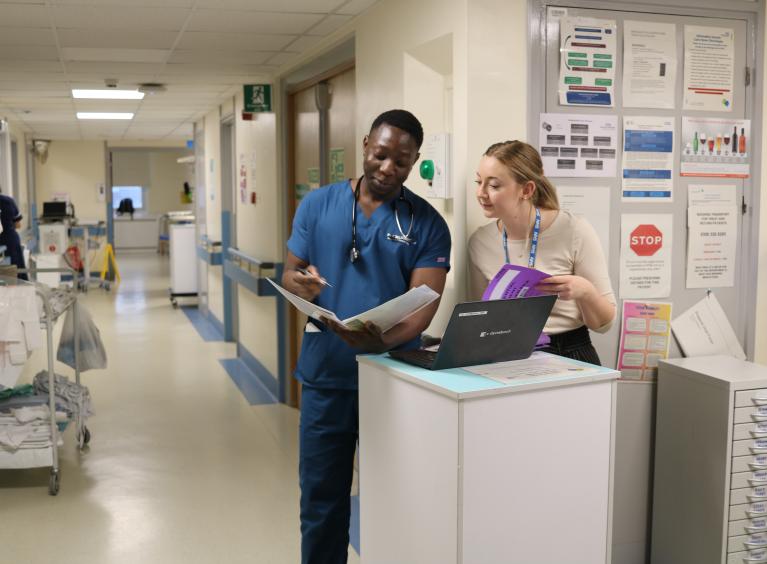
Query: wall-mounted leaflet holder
251, 272
435, 165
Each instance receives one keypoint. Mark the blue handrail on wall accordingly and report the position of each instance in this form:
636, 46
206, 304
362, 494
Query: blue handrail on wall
252, 273
210, 252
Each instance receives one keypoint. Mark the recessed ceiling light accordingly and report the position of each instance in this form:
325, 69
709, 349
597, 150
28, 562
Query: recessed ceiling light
108, 94
104, 115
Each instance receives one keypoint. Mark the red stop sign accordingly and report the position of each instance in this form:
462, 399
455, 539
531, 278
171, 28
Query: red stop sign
646, 240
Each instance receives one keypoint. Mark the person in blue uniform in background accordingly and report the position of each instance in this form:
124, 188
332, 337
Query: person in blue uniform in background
371, 239
10, 218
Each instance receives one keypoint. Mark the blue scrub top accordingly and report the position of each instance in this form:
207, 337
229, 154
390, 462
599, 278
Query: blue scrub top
322, 236
9, 213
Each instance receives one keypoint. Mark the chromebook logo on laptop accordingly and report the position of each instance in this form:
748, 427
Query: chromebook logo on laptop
494, 333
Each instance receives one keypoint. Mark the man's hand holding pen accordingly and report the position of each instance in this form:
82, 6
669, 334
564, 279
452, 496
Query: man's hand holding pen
306, 282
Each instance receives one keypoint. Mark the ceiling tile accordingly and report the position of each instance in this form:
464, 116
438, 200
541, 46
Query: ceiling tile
212, 69
94, 79
111, 39
9, 79
355, 7
50, 115
31, 94
251, 22
231, 56
27, 36
31, 103
309, 6
245, 41
282, 58
134, 3
31, 53
108, 70
153, 116
24, 15
329, 25
118, 55
28, 67
304, 43
120, 17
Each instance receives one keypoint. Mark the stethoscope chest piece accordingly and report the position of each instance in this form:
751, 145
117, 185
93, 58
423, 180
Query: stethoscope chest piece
403, 238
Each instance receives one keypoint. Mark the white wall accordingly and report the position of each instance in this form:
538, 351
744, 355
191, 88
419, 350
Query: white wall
76, 168
130, 168
213, 207
258, 225
166, 181
401, 79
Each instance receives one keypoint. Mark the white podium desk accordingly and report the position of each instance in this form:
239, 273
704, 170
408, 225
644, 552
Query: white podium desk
459, 468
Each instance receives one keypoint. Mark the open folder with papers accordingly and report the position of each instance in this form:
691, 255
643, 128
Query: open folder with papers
385, 316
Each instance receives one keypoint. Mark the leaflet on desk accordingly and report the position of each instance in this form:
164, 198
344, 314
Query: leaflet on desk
385, 316
514, 281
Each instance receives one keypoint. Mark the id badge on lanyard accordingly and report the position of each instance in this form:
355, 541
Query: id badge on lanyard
533, 244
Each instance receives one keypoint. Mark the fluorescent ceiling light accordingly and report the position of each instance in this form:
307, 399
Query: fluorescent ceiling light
104, 115
108, 94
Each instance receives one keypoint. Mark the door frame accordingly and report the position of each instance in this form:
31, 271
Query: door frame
324, 68
228, 155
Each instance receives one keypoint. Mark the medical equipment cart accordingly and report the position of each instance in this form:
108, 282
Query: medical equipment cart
55, 302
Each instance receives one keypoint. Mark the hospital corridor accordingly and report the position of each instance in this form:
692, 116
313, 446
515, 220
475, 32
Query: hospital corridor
180, 468
383, 282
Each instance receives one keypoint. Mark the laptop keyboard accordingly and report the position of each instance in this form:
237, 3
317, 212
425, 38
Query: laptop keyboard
418, 357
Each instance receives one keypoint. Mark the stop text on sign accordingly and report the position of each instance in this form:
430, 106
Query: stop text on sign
646, 240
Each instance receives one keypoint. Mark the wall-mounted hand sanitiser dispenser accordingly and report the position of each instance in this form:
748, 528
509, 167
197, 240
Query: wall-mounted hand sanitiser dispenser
435, 165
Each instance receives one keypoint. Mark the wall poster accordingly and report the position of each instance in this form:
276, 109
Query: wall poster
579, 145
587, 62
645, 267
716, 148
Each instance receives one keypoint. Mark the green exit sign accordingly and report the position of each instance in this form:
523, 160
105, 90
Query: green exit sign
258, 98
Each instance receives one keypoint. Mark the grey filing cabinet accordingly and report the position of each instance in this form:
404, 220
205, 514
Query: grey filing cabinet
710, 490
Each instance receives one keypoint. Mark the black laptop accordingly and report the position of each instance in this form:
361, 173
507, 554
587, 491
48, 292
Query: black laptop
53, 211
486, 332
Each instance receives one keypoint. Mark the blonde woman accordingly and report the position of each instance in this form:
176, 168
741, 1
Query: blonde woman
512, 190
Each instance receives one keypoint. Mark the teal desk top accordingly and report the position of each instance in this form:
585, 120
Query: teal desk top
462, 384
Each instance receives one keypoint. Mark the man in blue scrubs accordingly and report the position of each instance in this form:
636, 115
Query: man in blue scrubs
371, 239
10, 218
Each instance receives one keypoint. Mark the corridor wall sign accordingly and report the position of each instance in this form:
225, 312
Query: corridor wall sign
257, 98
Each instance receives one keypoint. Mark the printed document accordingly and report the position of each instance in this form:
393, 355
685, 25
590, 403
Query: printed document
538, 366
385, 316
648, 159
649, 64
587, 70
704, 330
709, 61
579, 145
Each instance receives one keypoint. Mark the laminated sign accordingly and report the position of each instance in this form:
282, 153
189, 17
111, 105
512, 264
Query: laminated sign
645, 255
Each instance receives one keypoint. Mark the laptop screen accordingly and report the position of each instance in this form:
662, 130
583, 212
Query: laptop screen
54, 209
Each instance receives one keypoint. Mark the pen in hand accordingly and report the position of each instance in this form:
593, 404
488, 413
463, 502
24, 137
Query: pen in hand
321, 280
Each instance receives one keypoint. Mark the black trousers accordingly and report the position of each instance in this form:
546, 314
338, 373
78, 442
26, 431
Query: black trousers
12, 241
575, 344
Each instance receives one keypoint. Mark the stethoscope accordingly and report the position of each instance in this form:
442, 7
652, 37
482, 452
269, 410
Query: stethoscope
404, 238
